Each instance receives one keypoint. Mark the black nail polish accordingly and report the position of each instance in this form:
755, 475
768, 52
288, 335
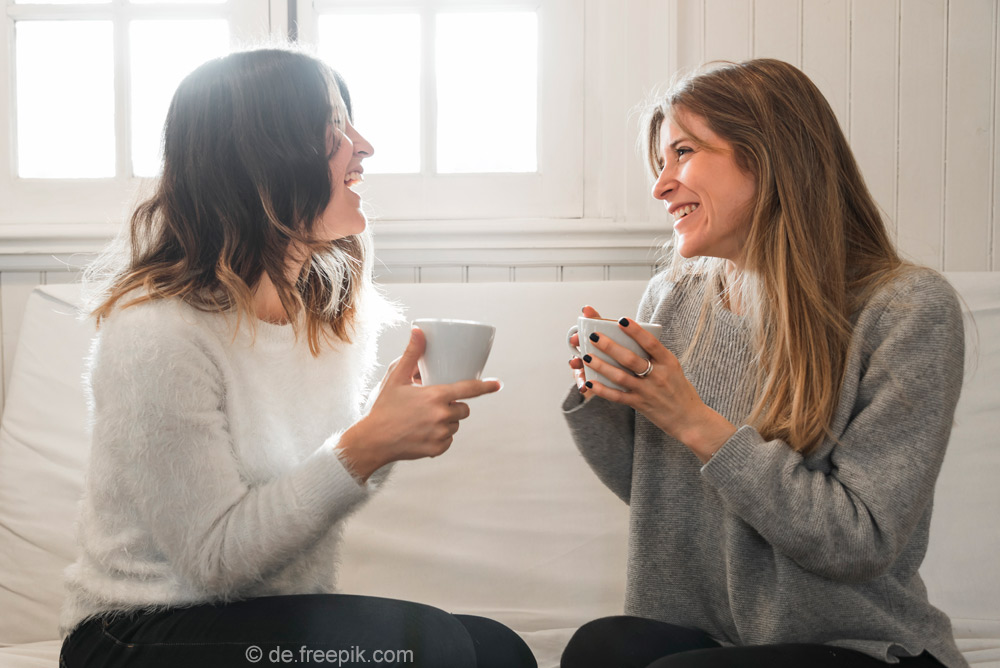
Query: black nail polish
587, 359
589, 384
595, 337
623, 322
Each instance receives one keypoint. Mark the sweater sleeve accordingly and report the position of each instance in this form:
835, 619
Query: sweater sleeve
604, 432
850, 524
158, 410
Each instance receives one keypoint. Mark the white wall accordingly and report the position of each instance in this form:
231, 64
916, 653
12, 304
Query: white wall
914, 82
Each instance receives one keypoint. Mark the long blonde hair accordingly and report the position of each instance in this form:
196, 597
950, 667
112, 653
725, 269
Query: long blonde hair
245, 175
816, 246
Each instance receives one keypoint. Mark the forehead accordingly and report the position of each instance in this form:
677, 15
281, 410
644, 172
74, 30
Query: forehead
684, 125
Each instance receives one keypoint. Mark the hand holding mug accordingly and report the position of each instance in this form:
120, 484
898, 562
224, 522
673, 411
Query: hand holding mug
409, 420
653, 383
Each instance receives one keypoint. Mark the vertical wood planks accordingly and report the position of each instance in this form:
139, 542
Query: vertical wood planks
826, 52
777, 30
969, 121
728, 29
995, 166
920, 187
873, 109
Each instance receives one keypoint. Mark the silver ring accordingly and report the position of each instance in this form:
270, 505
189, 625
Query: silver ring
646, 372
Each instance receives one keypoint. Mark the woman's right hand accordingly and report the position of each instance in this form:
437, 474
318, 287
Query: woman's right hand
408, 420
576, 363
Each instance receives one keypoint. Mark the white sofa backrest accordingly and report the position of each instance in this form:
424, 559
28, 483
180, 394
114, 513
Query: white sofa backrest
510, 523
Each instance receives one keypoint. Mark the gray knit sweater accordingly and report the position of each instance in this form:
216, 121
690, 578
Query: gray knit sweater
762, 545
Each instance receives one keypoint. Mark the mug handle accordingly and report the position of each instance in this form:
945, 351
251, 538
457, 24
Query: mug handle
573, 330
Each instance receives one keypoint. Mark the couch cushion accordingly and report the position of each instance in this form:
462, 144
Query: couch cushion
43, 452
960, 568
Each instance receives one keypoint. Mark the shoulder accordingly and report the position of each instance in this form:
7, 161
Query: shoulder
913, 295
162, 332
663, 290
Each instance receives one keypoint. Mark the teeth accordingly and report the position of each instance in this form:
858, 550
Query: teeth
680, 213
353, 178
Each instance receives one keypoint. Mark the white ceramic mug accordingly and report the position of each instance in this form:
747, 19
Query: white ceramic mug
609, 328
456, 350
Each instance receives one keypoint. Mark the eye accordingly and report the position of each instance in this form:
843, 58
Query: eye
681, 151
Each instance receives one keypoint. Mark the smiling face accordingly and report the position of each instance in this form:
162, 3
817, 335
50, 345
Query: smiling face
703, 188
343, 216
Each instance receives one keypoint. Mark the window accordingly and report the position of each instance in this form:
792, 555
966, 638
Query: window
88, 84
475, 108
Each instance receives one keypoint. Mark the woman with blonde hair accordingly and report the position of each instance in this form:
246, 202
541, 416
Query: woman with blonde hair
780, 447
230, 434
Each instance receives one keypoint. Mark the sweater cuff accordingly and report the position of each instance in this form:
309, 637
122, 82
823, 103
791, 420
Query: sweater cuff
328, 485
734, 457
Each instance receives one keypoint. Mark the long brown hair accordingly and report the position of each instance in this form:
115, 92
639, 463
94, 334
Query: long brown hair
245, 175
817, 246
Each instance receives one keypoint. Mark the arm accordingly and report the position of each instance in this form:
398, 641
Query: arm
851, 524
604, 434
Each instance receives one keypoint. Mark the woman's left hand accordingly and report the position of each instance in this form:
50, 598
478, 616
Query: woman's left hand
664, 395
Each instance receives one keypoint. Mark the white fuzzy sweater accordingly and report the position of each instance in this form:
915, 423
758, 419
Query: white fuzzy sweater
213, 473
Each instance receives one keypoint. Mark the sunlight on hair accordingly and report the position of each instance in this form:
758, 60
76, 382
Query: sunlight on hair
487, 91
379, 57
155, 78
65, 99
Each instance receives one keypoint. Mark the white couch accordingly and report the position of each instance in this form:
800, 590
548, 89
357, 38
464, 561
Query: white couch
510, 523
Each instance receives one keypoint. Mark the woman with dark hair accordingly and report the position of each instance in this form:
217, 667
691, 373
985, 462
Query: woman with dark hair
231, 440
779, 448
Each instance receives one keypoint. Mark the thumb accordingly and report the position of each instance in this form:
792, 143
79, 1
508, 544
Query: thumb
407, 365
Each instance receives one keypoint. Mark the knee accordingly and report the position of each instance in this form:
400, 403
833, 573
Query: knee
496, 645
595, 644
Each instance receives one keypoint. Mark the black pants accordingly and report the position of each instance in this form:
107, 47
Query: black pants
634, 642
328, 630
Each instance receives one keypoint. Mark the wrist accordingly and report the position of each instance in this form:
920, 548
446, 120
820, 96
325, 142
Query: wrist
358, 453
708, 434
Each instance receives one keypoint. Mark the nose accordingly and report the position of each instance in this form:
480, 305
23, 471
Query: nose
665, 184
362, 146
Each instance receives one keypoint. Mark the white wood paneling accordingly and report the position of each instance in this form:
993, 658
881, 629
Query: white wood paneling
995, 165
729, 29
826, 52
777, 30
546, 274
920, 187
490, 274
969, 155
873, 94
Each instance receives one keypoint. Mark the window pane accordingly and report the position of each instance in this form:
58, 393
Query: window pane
487, 80
155, 78
65, 99
186, 2
379, 57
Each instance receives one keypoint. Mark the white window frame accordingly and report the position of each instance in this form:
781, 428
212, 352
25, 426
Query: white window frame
78, 211
554, 191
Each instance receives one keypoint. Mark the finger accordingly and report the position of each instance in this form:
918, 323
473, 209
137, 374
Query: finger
576, 363
646, 340
459, 411
624, 378
406, 368
599, 390
590, 312
619, 353
469, 389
